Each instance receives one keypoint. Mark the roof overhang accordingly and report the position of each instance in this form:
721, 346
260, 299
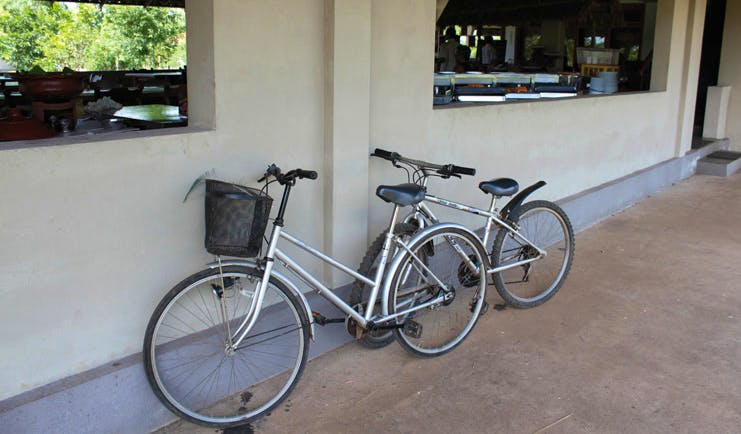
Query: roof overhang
477, 12
156, 3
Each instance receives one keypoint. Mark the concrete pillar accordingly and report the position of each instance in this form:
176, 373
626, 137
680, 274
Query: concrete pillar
554, 37
510, 35
691, 74
730, 67
199, 15
716, 112
347, 131
667, 15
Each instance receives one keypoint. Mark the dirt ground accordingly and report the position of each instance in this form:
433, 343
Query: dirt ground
645, 337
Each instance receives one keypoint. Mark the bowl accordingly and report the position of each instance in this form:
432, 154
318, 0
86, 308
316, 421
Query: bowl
54, 87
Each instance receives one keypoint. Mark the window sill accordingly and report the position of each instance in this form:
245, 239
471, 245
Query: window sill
456, 105
98, 137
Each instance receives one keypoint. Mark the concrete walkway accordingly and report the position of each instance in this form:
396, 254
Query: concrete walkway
644, 337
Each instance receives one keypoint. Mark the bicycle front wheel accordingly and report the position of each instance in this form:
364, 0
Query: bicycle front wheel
440, 287
547, 226
192, 368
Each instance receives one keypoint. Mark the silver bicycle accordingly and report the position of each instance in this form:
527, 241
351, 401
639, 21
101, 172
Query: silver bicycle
533, 243
229, 343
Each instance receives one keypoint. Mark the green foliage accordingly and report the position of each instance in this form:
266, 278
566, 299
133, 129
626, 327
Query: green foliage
86, 37
27, 27
135, 37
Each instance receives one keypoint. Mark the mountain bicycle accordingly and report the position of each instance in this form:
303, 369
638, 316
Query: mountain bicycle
533, 244
228, 343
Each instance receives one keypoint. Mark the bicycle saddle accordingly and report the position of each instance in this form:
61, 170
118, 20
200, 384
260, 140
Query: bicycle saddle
500, 187
402, 194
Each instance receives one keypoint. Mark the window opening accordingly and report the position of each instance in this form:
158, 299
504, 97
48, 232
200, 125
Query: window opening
91, 67
529, 49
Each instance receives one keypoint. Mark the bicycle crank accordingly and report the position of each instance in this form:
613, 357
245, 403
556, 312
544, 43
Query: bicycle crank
413, 329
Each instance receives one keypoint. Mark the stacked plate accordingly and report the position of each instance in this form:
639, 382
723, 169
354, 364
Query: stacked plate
605, 83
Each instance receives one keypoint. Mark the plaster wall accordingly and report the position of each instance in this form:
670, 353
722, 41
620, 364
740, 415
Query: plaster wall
572, 144
93, 234
730, 70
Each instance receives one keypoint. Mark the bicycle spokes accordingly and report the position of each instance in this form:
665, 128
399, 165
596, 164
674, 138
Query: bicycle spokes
435, 295
200, 373
530, 275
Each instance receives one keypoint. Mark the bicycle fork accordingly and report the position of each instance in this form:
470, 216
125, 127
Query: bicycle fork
252, 315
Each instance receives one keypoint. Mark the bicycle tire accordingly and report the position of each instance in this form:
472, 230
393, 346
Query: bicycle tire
185, 338
536, 220
440, 330
360, 290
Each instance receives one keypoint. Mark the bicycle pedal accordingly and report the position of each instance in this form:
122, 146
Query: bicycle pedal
412, 329
323, 320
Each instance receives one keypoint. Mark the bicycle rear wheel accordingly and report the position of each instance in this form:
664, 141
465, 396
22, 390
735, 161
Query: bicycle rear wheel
448, 295
547, 226
187, 359
361, 291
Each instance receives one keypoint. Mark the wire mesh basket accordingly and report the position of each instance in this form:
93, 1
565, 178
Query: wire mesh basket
236, 218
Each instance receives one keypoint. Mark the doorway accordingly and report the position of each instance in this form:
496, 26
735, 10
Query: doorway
712, 40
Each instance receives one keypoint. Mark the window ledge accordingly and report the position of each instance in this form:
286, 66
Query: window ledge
542, 100
99, 137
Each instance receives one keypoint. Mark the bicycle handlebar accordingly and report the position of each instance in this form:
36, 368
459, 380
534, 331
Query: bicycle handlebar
386, 155
470, 171
309, 174
445, 170
288, 177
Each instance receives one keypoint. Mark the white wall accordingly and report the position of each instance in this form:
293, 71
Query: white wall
93, 234
571, 144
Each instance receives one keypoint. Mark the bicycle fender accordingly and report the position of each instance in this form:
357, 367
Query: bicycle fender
282, 279
396, 262
514, 205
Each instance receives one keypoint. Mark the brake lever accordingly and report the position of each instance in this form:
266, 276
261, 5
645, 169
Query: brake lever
270, 171
444, 174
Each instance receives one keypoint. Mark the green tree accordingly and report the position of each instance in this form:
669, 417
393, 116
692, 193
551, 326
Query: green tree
27, 28
136, 37
87, 37
70, 46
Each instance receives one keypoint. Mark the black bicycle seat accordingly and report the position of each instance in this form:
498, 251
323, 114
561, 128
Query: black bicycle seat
402, 194
500, 187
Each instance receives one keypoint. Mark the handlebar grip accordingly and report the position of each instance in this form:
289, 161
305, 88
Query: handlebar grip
382, 153
386, 155
463, 170
310, 174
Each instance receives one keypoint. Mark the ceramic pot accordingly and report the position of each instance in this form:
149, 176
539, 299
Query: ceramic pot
52, 87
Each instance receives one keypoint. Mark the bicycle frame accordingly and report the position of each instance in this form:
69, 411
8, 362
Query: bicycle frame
381, 280
422, 211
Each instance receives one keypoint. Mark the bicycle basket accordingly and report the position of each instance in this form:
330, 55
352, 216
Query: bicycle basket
236, 218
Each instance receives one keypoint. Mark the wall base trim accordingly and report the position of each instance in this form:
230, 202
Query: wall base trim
598, 203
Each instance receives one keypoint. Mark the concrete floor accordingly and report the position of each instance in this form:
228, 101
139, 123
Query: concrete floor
644, 337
